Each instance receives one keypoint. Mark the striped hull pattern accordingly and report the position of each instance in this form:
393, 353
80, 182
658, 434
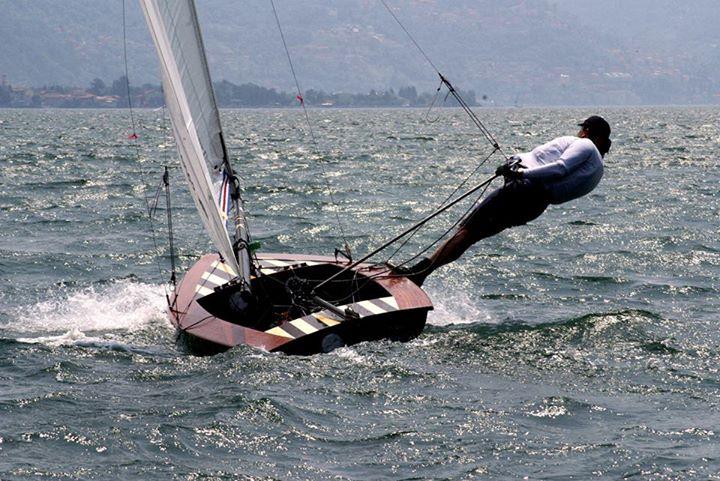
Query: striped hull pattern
397, 309
220, 273
320, 320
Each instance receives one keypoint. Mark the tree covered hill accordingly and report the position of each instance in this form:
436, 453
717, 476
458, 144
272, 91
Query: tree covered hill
513, 51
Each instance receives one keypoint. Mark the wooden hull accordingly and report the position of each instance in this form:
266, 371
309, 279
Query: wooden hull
382, 307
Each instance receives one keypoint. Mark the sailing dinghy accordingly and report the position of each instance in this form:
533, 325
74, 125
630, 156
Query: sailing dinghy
298, 304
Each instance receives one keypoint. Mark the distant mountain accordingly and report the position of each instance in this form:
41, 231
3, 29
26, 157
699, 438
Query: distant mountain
513, 51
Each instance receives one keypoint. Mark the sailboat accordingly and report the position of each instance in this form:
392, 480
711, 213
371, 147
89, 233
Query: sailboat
292, 303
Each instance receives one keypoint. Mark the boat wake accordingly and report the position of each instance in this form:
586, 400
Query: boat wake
75, 337
89, 316
453, 307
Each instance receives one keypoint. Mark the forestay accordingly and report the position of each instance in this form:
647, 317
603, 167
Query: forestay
195, 119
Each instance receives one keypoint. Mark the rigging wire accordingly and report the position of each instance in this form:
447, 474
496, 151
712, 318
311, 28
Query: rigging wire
446, 200
475, 119
166, 183
301, 99
134, 135
408, 231
466, 108
412, 39
432, 104
444, 81
387, 272
455, 224
413, 230
151, 206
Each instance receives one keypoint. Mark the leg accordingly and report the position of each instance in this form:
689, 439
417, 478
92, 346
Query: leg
484, 221
511, 205
462, 240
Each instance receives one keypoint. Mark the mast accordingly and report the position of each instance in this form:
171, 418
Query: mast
241, 245
196, 125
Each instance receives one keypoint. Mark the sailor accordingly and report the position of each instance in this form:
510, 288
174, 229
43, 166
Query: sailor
553, 173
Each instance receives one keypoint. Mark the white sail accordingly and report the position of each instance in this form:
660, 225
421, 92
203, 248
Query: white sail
196, 123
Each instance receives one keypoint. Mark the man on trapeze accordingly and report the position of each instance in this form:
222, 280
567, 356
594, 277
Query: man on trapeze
553, 173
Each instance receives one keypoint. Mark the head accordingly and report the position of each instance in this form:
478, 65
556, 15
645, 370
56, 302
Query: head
596, 129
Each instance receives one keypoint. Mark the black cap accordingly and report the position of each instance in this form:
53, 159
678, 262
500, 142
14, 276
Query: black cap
596, 126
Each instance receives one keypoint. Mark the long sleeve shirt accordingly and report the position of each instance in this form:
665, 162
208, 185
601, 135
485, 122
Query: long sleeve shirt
569, 167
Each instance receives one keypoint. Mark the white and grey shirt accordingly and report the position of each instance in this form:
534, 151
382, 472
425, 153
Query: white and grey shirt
569, 167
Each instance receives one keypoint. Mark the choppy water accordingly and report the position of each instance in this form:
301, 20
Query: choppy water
583, 346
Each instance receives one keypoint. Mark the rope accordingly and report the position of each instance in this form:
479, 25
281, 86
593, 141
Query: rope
387, 273
460, 219
473, 116
432, 104
408, 231
173, 275
310, 129
413, 230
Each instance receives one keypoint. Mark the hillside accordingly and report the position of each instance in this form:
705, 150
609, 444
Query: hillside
513, 51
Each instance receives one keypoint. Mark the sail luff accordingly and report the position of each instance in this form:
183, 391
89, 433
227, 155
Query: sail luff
195, 117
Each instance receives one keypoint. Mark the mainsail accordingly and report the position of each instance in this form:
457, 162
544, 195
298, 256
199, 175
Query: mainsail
196, 122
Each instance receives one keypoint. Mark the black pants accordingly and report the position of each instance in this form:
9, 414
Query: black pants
516, 203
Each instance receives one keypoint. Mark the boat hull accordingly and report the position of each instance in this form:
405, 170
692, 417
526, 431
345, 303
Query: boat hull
383, 306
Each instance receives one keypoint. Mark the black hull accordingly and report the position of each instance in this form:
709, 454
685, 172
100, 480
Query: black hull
397, 328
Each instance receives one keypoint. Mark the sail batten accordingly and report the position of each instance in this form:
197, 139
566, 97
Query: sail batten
195, 118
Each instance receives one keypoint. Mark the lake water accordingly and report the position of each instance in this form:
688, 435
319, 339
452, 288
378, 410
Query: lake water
582, 346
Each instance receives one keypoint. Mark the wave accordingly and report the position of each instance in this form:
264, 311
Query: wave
626, 321
624, 329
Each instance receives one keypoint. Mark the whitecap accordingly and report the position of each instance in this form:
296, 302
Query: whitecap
122, 305
455, 307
